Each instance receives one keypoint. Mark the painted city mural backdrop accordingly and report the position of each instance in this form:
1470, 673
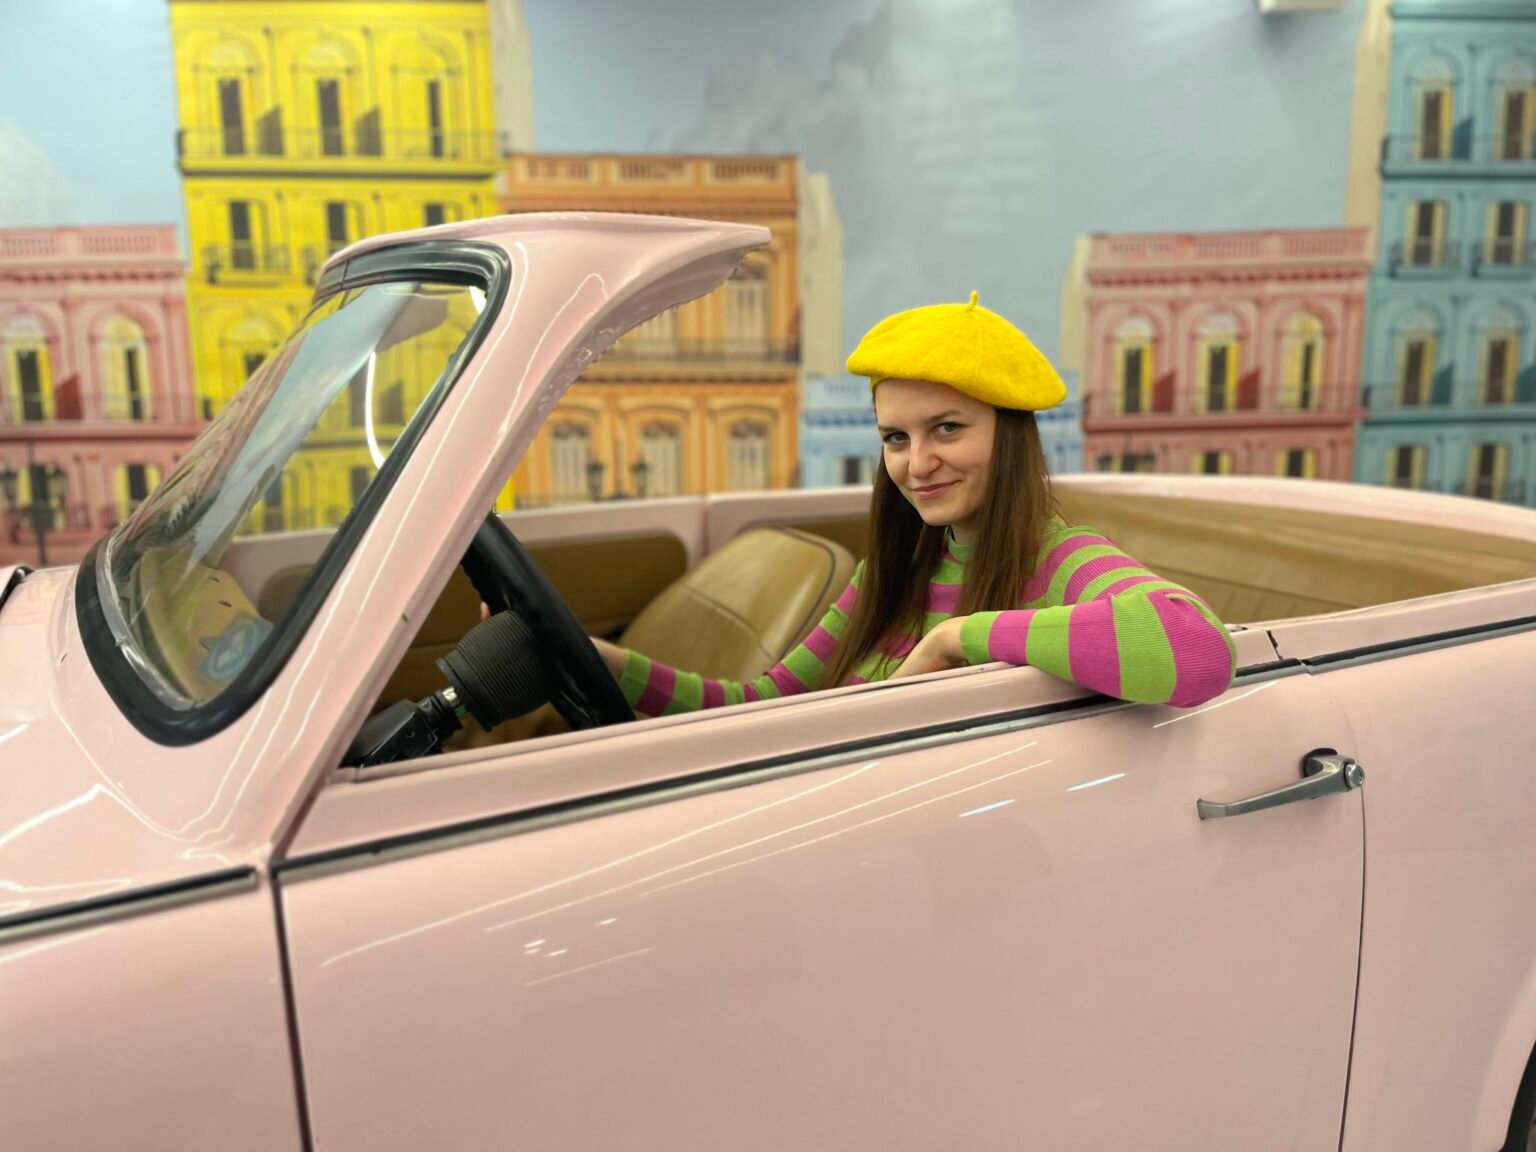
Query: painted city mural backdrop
1278, 244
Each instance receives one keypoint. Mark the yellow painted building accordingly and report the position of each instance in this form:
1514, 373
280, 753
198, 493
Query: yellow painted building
304, 125
704, 398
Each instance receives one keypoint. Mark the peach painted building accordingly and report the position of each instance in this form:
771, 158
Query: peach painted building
1232, 352
95, 378
705, 397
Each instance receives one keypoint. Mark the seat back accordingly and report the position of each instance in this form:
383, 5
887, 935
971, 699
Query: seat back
745, 605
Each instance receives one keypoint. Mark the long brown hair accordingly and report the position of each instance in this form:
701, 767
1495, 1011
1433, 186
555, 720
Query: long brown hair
904, 552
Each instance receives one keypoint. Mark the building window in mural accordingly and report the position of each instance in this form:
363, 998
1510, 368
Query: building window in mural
1416, 361
569, 452
1426, 231
1214, 463
857, 469
1505, 242
125, 371
661, 448
1405, 466
1298, 463
1218, 356
1435, 109
1489, 471
1500, 356
1134, 366
746, 311
747, 464
28, 365
1302, 363
1515, 102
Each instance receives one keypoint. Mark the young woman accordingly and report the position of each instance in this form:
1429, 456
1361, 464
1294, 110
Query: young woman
969, 560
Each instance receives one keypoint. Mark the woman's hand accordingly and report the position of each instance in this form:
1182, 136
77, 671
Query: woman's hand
935, 652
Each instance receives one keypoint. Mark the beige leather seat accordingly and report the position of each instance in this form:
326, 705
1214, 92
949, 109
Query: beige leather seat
745, 605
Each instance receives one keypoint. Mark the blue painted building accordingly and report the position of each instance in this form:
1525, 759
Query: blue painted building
1061, 430
838, 441
1449, 372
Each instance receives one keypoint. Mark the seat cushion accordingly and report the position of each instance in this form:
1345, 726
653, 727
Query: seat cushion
745, 605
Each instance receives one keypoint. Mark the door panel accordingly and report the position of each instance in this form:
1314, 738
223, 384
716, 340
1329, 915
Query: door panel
1447, 1014
1022, 940
160, 1030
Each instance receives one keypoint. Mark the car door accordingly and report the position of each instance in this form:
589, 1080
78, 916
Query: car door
974, 911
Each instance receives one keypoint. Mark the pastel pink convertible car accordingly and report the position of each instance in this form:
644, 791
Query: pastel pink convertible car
294, 853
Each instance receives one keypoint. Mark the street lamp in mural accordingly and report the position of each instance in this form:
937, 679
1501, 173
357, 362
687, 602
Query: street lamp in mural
38, 513
595, 470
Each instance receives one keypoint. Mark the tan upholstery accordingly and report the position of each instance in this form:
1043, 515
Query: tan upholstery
1253, 564
745, 605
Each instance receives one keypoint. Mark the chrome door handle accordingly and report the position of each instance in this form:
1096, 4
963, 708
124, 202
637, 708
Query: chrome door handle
1324, 771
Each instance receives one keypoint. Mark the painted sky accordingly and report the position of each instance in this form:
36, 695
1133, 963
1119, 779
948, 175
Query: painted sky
968, 141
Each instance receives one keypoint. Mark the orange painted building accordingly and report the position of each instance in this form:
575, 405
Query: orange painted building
704, 398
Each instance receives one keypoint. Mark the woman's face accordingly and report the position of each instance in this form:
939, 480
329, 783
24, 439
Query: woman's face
938, 450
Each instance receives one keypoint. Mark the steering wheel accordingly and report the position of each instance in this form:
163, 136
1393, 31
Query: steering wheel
586, 694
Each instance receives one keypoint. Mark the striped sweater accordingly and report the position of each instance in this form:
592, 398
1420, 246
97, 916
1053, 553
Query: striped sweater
1090, 614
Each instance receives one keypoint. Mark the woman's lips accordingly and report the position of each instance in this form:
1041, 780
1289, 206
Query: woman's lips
928, 492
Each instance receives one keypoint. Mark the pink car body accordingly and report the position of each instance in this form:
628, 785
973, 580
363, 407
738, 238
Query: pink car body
973, 910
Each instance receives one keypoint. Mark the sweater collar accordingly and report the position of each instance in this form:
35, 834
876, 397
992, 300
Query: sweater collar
958, 552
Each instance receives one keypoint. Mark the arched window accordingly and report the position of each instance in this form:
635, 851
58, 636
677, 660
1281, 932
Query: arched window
1135, 350
427, 90
327, 75
1301, 362
569, 453
124, 359
661, 448
29, 370
1418, 339
1218, 354
1499, 341
243, 349
229, 66
1514, 102
1433, 83
747, 464
747, 311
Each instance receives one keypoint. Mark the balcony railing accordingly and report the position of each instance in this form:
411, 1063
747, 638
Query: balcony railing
705, 351
363, 140
1459, 146
1425, 256
1248, 402
1505, 255
243, 262
1443, 393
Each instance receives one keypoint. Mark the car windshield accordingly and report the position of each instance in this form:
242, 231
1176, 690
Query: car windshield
297, 448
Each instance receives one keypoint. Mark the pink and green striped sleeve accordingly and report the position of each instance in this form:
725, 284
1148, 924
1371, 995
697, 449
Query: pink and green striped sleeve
1098, 618
656, 689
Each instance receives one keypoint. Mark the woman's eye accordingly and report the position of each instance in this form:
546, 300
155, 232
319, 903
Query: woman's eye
894, 439
949, 428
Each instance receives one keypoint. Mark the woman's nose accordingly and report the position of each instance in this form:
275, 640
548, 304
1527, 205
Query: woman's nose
921, 461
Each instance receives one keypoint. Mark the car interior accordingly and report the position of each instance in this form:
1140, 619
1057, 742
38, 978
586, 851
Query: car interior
752, 598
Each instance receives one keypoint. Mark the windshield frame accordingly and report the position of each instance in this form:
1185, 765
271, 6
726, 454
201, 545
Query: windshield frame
479, 265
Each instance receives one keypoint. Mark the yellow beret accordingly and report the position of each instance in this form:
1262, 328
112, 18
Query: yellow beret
973, 350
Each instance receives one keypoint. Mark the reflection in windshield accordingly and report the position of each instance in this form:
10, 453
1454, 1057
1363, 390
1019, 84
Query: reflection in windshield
297, 448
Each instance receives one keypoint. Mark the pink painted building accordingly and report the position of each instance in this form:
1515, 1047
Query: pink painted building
95, 378
1231, 352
